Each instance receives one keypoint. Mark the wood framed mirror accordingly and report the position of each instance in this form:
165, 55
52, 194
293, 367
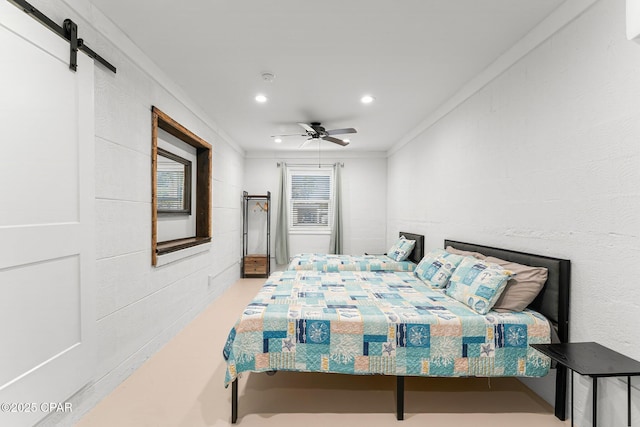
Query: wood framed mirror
176, 189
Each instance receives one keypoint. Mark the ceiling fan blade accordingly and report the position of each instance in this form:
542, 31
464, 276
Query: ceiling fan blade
291, 134
306, 127
335, 140
305, 143
341, 131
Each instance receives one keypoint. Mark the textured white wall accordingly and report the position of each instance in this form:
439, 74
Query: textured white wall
546, 159
364, 185
140, 308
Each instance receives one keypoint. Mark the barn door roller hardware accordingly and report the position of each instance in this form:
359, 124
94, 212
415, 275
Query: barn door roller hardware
69, 32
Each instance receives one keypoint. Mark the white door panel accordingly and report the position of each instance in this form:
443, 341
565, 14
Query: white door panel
47, 253
32, 343
39, 242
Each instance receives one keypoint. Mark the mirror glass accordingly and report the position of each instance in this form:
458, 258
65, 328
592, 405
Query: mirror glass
173, 188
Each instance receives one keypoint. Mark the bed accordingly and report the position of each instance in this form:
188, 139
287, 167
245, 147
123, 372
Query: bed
392, 323
366, 262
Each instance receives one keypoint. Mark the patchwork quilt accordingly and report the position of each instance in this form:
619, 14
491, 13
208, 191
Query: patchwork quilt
378, 323
334, 263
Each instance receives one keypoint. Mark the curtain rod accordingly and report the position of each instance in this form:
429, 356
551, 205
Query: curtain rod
309, 164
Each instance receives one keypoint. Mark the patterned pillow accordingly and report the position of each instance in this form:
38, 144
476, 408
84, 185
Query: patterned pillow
478, 284
437, 267
401, 249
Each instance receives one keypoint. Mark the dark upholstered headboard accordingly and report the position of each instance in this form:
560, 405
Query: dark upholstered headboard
553, 299
418, 250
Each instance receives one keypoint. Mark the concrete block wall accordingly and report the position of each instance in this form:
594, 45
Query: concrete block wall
546, 159
140, 307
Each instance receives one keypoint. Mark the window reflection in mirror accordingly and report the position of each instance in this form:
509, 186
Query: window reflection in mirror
173, 183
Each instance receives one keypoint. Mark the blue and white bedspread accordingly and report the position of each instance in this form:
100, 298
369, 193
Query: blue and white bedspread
334, 263
378, 323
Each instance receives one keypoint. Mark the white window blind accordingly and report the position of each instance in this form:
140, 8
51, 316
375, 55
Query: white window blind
310, 194
170, 187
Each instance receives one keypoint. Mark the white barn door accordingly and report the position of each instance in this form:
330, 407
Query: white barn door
47, 254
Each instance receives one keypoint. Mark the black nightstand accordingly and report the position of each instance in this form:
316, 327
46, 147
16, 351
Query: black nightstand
594, 360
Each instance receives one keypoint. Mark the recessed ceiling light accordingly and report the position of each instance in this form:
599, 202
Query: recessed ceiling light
367, 99
261, 98
277, 140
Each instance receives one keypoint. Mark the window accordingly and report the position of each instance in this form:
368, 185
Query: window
310, 199
180, 188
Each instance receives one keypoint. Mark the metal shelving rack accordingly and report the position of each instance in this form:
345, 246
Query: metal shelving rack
255, 265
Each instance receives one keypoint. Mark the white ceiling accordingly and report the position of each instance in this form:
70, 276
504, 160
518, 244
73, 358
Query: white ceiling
411, 55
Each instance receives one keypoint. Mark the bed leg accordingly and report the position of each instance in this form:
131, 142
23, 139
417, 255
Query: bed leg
234, 401
561, 392
400, 398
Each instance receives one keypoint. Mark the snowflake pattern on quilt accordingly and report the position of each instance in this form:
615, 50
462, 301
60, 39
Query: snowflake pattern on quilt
378, 323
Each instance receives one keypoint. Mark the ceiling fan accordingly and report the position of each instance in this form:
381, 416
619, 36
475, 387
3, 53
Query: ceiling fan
314, 130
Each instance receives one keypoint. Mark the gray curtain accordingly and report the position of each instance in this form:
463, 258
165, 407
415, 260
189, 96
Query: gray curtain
282, 225
335, 244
